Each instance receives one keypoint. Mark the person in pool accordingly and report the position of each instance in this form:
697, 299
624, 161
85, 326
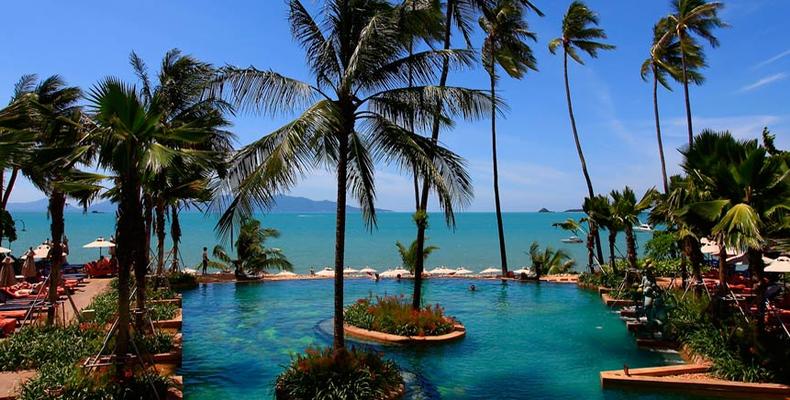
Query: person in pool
472, 288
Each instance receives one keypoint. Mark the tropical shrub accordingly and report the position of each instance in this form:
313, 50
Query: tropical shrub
393, 314
730, 344
663, 246
69, 383
182, 280
155, 344
338, 375
33, 347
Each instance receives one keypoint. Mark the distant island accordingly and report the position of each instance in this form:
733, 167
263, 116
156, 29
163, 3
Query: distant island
284, 204
544, 210
576, 210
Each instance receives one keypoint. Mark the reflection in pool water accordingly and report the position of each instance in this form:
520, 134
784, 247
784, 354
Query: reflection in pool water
523, 341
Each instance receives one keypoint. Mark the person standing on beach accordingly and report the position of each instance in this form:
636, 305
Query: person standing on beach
205, 259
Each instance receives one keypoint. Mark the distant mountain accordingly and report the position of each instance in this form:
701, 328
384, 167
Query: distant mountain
284, 204
544, 210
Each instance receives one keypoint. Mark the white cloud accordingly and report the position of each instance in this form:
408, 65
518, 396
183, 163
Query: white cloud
773, 59
742, 127
763, 82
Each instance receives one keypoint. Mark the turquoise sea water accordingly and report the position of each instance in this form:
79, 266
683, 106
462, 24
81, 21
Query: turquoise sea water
308, 239
524, 341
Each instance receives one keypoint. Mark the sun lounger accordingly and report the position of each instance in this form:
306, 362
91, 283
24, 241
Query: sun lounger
7, 326
15, 314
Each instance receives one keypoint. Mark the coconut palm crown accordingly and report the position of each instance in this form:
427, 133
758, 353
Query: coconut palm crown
352, 116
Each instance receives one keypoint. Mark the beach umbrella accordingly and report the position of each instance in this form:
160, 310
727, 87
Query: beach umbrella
368, 270
29, 267
781, 264
522, 271
349, 271
710, 248
441, 271
7, 277
462, 271
393, 273
490, 271
100, 244
326, 272
4, 250
285, 273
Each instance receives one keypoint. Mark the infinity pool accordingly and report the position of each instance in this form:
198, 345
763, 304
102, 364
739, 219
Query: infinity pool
523, 340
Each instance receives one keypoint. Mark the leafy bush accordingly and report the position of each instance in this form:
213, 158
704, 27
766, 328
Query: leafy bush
394, 315
155, 344
729, 343
33, 347
352, 375
69, 383
162, 311
663, 246
182, 280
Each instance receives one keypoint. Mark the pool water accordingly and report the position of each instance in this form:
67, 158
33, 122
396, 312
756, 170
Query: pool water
524, 340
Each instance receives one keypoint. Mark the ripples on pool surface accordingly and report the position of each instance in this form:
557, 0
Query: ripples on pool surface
524, 341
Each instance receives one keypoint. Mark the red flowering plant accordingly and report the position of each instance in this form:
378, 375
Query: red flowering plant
394, 314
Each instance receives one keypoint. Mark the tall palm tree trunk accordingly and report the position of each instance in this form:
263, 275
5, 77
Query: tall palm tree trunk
175, 233
630, 241
340, 233
686, 91
160, 236
658, 132
722, 267
419, 262
612, 240
57, 202
130, 229
757, 267
500, 228
590, 191
10, 186
589, 244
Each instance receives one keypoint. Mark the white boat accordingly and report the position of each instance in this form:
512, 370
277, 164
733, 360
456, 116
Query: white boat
572, 239
643, 228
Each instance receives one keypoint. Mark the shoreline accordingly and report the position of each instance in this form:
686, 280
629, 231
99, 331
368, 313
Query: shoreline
230, 278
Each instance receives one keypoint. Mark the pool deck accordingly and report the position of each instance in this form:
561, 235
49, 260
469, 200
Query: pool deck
11, 381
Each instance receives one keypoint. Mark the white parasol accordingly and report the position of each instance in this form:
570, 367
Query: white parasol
349, 271
490, 271
463, 271
393, 273
100, 244
326, 272
781, 264
368, 270
441, 271
285, 273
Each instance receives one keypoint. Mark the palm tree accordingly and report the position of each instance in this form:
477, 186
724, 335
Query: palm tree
598, 215
61, 143
252, 255
626, 211
549, 261
180, 85
460, 14
408, 254
666, 61
578, 33
698, 17
354, 115
750, 194
504, 46
131, 142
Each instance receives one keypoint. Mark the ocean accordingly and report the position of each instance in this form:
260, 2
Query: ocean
308, 239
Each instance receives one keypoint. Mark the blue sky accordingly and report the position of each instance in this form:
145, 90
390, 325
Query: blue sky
748, 86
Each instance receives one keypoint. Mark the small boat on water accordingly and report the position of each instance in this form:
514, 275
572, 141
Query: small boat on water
572, 239
643, 228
